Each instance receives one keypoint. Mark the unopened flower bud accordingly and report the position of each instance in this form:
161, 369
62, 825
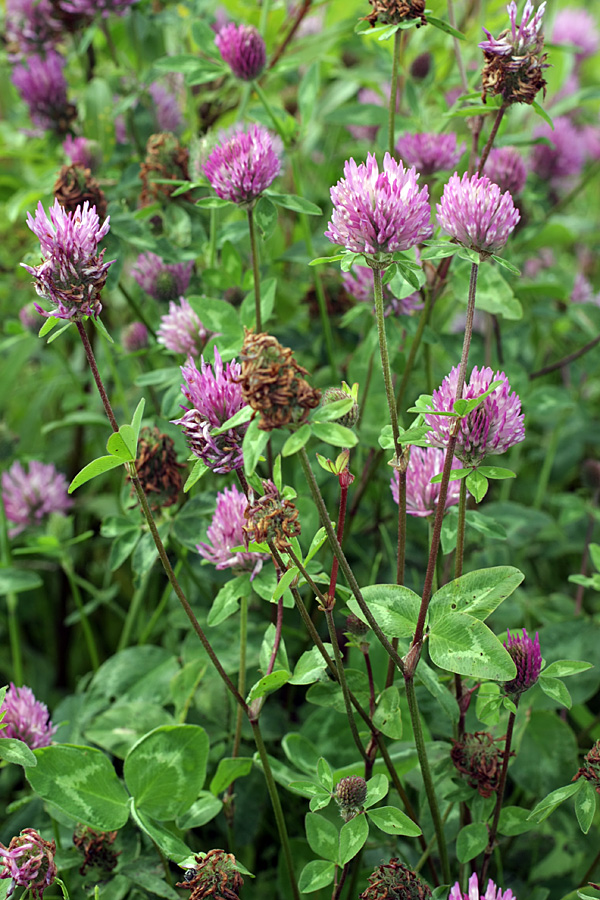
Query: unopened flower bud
332, 395
356, 626
350, 795
527, 657
421, 66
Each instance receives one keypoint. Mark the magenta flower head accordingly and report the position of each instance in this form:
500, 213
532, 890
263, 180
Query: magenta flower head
422, 496
225, 533
359, 284
491, 428
82, 152
243, 165
181, 330
31, 496
492, 892
134, 337
165, 97
518, 41
476, 213
30, 28
379, 212
214, 395
243, 49
506, 168
514, 62
576, 27
430, 153
26, 718
72, 273
163, 281
29, 862
527, 657
566, 155
42, 85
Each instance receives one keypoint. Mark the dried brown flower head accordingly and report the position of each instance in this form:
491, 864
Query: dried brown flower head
590, 769
215, 875
75, 185
165, 158
158, 469
272, 382
517, 80
395, 881
29, 862
97, 848
391, 12
270, 518
479, 759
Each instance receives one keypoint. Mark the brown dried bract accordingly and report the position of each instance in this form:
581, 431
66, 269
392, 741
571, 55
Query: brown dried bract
165, 158
272, 384
591, 767
216, 876
394, 880
391, 12
479, 759
270, 518
517, 79
76, 184
158, 469
97, 849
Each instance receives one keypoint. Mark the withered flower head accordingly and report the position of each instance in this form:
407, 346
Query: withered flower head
590, 769
97, 848
395, 881
479, 759
76, 184
158, 469
215, 875
165, 158
29, 862
514, 61
270, 518
391, 12
272, 384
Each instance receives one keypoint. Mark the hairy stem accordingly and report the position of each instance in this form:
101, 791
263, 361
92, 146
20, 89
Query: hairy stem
394, 93
385, 360
500, 796
256, 273
492, 137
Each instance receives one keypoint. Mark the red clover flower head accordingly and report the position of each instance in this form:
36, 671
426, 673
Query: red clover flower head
30, 28
72, 273
476, 213
527, 657
566, 155
518, 41
430, 153
243, 49
181, 330
215, 395
26, 718
134, 337
492, 892
165, 98
377, 211
491, 428
422, 496
88, 9
31, 496
243, 165
226, 532
506, 168
29, 862
359, 284
576, 27
514, 62
42, 85
82, 152
163, 281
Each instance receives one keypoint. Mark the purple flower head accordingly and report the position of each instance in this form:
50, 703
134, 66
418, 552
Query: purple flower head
422, 496
134, 337
31, 496
29, 317
359, 284
506, 168
163, 281
31, 28
562, 160
73, 273
181, 330
491, 428
517, 42
214, 395
366, 132
576, 27
42, 85
430, 153
26, 718
29, 862
166, 103
514, 63
226, 532
527, 657
82, 152
243, 165
243, 49
582, 292
492, 892
476, 213
88, 9
590, 137
377, 212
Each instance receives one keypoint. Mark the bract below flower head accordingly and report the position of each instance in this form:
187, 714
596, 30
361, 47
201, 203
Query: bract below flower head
243, 165
243, 49
491, 428
430, 153
379, 212
226, 532
421, 495
492, 892
26, 718
476, 213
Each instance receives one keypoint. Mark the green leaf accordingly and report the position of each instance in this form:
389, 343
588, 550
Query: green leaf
543, 114
183, 62
554, 688
445, 26
377, 788
50, 323
393, 821
195, 475
213, 203
562, 668
16, 581
477, 593
477, 485
93, 469
324, 774
321, 260
471, 841
352, 838
316, 875
552, 800
387, 718
203, 810
322, 836
285, 581
15, 751
296, 440
332, 411
463, 644
506, 265
438, 691
514, 821
265, 217
291, 201
439, 250
495, 472
228, 771
119, 444
395, 608
253, 445
81, 782
310, 666
137, 421
585, 805
332, 433
170, 845
308, 91
267, 684
226, 603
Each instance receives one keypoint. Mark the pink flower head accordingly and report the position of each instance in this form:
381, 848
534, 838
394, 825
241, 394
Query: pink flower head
134, 337
73, 273
163, 281
243, 49
566, 155
506, 168
527, 657
226, 532
476, 213
377, 212
243, 165
166, 102
430, 153
492, 892
81, 152
576, 27
26, 718
422, 496
359, 284
516, 42
29, 862
88, 9
491, 428
215, 395
42, 85
181, 330
31, 28
31, 496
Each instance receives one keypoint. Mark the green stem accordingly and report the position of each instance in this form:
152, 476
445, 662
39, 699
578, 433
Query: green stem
549, 457
85, 624
255, 271
385, 360
415, 719
264, 16
460, 535
500, 795
132, 612
343, 683
137, 309
212, 239
457, 49
276, 803
394, 93
265, 102
157, 614
414, 348
492, 137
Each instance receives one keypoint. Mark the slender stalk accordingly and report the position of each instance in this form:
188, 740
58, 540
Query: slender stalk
400, 560
589, 534
343, 683
156, 615
549, 457
460, 536
500, 796
85, 624
99, 383
242, 673
492, 137
385, 360
277, 641
256, 273
561, 363
369, 669
137, 309
587, 877
132, 613
457, 49
276, 803
338, 887
264, 16
394, 93
415, 719
212, 239
301, 12
265, 102
344, 481
414, 348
